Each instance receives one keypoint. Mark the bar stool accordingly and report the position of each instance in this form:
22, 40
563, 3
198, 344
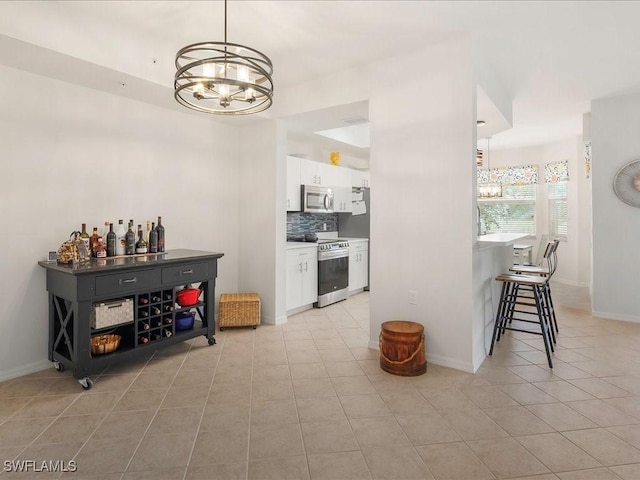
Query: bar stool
551, 256
521, 290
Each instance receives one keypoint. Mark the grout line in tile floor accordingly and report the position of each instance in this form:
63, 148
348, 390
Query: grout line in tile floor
579, 421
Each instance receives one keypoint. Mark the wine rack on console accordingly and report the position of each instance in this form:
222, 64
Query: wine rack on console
150, 283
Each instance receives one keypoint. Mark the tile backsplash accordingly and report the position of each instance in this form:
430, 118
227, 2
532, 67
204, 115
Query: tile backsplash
299, 223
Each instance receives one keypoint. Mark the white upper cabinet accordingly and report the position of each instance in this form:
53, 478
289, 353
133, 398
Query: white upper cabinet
324, 174
294, 194
311, 173
360, 178
342, 202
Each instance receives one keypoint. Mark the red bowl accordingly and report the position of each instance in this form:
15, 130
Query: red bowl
187, 296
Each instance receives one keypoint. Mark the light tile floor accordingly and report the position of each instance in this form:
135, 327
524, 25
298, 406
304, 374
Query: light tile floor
307, 400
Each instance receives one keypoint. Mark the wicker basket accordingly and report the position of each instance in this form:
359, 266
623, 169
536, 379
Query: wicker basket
239, 310
101, 344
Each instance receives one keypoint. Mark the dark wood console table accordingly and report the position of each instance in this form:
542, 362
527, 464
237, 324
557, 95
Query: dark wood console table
150, 282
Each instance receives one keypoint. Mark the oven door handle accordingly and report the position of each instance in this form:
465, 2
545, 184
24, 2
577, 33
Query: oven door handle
326, 202
343, 253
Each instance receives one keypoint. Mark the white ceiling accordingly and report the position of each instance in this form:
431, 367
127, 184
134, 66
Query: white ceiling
552, 58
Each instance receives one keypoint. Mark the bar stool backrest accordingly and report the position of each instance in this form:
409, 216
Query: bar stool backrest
541, 249
551, 256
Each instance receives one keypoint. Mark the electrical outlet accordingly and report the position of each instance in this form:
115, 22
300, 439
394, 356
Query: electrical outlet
413, 297
324, 227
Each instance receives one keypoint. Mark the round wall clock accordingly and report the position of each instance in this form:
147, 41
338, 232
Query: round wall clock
626, 183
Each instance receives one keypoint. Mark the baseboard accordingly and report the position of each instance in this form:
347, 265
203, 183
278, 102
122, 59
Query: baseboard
569, 282
616, 316
274, 321
439, 360
24, 370
301, 309
449, 362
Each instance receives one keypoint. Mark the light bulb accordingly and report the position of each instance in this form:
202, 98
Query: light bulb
209, 70
250, 94
223, 91
243, 73
198, 91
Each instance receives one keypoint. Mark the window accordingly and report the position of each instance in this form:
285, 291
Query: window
558, 211
514, 212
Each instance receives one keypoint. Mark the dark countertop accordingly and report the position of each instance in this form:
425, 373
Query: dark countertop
111, 264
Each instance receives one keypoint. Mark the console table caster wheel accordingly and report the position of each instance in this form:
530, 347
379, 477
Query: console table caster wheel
58, 366
212, 341
86, 383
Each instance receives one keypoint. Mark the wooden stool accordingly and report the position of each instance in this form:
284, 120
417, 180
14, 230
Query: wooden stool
402, 348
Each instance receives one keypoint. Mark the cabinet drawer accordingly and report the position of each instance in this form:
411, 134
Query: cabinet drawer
121, 283
193, 272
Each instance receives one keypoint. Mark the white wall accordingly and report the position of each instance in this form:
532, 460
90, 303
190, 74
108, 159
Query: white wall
421, 234
72, 155
615, 123
573, 253
262, 187
422, 148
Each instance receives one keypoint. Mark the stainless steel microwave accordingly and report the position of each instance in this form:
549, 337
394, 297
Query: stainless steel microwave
317, 199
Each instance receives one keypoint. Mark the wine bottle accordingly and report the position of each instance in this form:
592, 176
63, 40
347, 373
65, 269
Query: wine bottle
168, 320
130, 241
94, 241
167, 333
160, 230
142, 340
153, 239
121, 241
155, 336
147, 232
168, 308
101, 252
143, 300
143, 313
155, 311
155, 298
143, 326
111, 242
141, 245
168, 296
85, 237
105, 229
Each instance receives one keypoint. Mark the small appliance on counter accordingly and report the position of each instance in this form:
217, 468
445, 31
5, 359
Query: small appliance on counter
310, 237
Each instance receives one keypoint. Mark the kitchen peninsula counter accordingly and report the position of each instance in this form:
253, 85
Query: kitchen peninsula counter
500, 239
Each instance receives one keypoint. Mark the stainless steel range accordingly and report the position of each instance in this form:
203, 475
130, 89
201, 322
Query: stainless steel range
333, 271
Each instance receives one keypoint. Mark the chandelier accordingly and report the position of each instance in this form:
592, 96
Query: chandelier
490, 189
223, 78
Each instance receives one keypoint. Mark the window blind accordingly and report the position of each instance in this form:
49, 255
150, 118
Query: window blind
514, 212
558, 210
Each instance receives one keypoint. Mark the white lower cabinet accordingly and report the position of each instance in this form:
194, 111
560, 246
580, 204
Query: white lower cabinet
358, 265
302, 276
